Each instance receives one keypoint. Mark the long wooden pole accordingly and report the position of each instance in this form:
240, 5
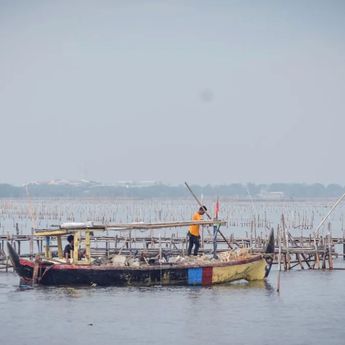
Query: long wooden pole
286, 240
207, 214
197, 200
329, 213
279, 259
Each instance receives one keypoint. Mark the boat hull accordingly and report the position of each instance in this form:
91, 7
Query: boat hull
253, 268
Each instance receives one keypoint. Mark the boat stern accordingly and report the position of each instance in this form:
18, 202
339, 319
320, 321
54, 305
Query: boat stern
23, 270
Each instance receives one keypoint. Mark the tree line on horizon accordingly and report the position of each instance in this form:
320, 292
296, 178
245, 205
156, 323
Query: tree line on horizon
235, 190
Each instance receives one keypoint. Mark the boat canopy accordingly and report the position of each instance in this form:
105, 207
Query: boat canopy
67, 228
88, 229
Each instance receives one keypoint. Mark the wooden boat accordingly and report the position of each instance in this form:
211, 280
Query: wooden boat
222, 267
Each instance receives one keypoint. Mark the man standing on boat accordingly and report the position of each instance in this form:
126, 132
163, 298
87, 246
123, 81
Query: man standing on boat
194, 231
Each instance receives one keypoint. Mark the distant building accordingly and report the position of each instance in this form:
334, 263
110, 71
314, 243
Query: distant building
271, 195
128, 184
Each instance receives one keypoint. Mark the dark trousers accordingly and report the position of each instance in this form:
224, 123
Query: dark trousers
193, 240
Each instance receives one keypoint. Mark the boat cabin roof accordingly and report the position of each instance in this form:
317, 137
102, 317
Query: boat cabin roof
67, 228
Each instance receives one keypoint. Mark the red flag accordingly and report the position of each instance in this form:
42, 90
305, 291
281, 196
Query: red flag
216, 208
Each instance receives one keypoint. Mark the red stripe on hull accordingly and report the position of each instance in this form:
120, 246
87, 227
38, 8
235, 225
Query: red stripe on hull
207, 275
25, 262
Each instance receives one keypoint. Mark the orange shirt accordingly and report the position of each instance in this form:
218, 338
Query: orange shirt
194, 229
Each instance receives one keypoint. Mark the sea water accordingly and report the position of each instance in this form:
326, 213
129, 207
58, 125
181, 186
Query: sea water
307, 310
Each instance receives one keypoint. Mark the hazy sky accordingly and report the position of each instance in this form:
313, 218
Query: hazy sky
203, 91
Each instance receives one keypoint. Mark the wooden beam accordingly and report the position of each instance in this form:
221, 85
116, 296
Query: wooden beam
76, 247
60, 251
128, 226
88, 246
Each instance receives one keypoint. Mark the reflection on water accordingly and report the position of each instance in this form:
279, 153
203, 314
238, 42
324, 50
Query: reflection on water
84, 291
241, 284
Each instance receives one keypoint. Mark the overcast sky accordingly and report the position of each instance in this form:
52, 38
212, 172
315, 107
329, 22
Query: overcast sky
199, 91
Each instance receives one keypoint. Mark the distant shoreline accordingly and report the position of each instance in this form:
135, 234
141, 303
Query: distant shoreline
236, 191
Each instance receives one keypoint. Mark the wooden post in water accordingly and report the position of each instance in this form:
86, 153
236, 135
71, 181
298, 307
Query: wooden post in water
330, 257
7, 263
342, 227
324, 254
317, 258
287, 264
279, 258
255, 238
32, 244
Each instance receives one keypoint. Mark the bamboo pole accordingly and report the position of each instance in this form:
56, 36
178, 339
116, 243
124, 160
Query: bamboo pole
330, 257
32, 244
329, 213
323, 253
279, 258
286, 240
317, 258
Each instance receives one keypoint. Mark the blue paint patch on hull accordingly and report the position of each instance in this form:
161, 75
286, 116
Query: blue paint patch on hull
194, 276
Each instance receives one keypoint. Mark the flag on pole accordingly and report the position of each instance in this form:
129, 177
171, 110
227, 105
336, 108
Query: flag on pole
216, 208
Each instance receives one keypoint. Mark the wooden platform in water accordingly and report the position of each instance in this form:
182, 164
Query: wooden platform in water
301, 252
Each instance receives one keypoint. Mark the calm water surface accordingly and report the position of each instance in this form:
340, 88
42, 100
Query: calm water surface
308, 310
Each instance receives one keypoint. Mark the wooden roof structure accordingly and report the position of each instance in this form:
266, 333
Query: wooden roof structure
67, 228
